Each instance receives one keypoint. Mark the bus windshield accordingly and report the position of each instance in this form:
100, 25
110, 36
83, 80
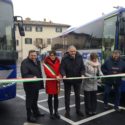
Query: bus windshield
6, 27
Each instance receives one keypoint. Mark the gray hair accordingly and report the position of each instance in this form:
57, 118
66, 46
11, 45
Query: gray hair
72, 46
116, 52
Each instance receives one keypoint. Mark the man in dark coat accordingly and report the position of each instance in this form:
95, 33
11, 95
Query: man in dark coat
31, 68
113, 65
72, 66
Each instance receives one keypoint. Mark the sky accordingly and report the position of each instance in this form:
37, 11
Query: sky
71, 12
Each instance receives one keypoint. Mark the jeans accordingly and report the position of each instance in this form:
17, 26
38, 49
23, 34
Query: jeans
117, 90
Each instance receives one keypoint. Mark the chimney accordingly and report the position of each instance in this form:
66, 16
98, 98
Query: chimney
44, 19
50, 21
28, 19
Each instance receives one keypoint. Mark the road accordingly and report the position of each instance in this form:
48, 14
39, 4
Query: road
12, 112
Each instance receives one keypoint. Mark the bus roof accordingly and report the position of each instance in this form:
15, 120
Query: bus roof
9, 1
91, 27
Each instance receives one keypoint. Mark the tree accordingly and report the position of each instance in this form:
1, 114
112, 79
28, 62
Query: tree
40, 44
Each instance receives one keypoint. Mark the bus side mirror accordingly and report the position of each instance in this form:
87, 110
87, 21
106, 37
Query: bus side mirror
122, 26
19, 22
21, 29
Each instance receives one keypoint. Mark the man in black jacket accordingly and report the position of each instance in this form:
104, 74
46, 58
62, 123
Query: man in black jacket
72, 66
31, 68
113, 65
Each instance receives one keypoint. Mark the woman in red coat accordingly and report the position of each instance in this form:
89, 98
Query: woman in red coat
51, 67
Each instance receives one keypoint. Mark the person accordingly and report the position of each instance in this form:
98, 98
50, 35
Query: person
51, 67
31, 68
93, 68
72, 66
113, 65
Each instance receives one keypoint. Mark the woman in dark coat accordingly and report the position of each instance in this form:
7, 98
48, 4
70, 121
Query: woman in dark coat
51, 67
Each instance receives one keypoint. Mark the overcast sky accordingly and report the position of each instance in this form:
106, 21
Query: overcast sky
72, 12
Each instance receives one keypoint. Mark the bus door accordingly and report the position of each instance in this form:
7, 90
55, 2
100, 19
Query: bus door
121, 43
109, 35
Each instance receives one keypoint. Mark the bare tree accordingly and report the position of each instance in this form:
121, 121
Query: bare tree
40, 44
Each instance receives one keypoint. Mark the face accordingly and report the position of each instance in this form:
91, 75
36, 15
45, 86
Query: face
72, 52
94, 60
116, 56
33, 56
52, 56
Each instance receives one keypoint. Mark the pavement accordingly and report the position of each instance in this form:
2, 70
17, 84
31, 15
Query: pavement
12, 112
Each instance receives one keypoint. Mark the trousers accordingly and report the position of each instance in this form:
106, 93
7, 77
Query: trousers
67, 91
117, 90
90, 101
31, 102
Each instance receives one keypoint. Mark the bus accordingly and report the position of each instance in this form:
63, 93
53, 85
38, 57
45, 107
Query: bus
8, 53
104, 34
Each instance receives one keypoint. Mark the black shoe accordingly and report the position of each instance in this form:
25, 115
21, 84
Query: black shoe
89, 113
52, 116
67, 115
94, 113
39, 114
79, 113
57, 115
106, 107
117, 109
31, 119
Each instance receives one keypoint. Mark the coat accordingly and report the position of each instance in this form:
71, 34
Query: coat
72, 68
110, 67
51, 70
91, 69
29, 70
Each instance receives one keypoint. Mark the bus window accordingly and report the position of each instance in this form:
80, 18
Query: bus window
121, 45
122, 26
108, 42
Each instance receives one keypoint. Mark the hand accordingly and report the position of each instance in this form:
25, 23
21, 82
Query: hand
99, 81
95, 78
34, 77
64, 77
82, 76
58, 78
114, 72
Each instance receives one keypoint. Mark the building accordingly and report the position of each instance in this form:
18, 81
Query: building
38, 36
